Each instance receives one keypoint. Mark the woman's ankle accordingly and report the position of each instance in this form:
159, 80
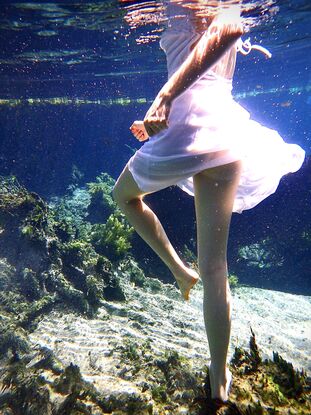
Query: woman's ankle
220, 384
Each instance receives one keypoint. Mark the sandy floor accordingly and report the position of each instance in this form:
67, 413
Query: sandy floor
280, 321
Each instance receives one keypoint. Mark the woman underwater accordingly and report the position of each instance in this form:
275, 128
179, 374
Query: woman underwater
206, 143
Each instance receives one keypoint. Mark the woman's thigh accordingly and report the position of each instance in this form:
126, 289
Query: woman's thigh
215, 191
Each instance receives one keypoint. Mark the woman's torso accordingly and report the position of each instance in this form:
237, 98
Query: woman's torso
184, 29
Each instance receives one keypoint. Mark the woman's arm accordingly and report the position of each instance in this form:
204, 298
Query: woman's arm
220, 36
212, 45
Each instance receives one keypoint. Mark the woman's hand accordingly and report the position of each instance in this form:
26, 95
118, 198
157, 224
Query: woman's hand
139, 131
156, 118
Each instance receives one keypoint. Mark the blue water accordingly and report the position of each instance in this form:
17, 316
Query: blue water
74, 76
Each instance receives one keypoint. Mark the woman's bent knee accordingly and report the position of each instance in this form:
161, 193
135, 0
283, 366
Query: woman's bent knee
125, 190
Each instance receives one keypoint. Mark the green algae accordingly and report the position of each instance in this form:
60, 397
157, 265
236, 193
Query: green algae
291, 381
78, 253
56, 265
112, 238
101, 204
233, 281
262, 387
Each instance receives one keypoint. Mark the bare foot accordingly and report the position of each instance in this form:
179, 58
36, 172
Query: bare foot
220, 389
186, 278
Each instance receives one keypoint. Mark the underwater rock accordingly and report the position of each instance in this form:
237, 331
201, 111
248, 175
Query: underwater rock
69, 212
23, 390
113, 290
92, 216
56, 281
112, 287
31, 284
14, 340
38, 384
77, 253
128, 268
7, 272
69, 381
37, 308
29, 383
90, 273
45, 263
25, 227
101, 205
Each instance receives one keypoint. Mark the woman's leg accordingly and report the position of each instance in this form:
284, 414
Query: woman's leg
215, 191
130, 200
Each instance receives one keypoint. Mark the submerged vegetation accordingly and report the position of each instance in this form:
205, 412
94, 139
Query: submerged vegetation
54, 255
75, 254
271, 259
113, 237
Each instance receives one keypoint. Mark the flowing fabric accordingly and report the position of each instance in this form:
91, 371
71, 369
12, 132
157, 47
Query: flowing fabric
208, 128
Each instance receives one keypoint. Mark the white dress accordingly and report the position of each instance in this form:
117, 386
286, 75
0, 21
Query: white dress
207, 128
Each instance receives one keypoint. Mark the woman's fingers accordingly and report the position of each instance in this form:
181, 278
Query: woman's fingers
154, 127
139, 131
141, 136
137, 125
142, 130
